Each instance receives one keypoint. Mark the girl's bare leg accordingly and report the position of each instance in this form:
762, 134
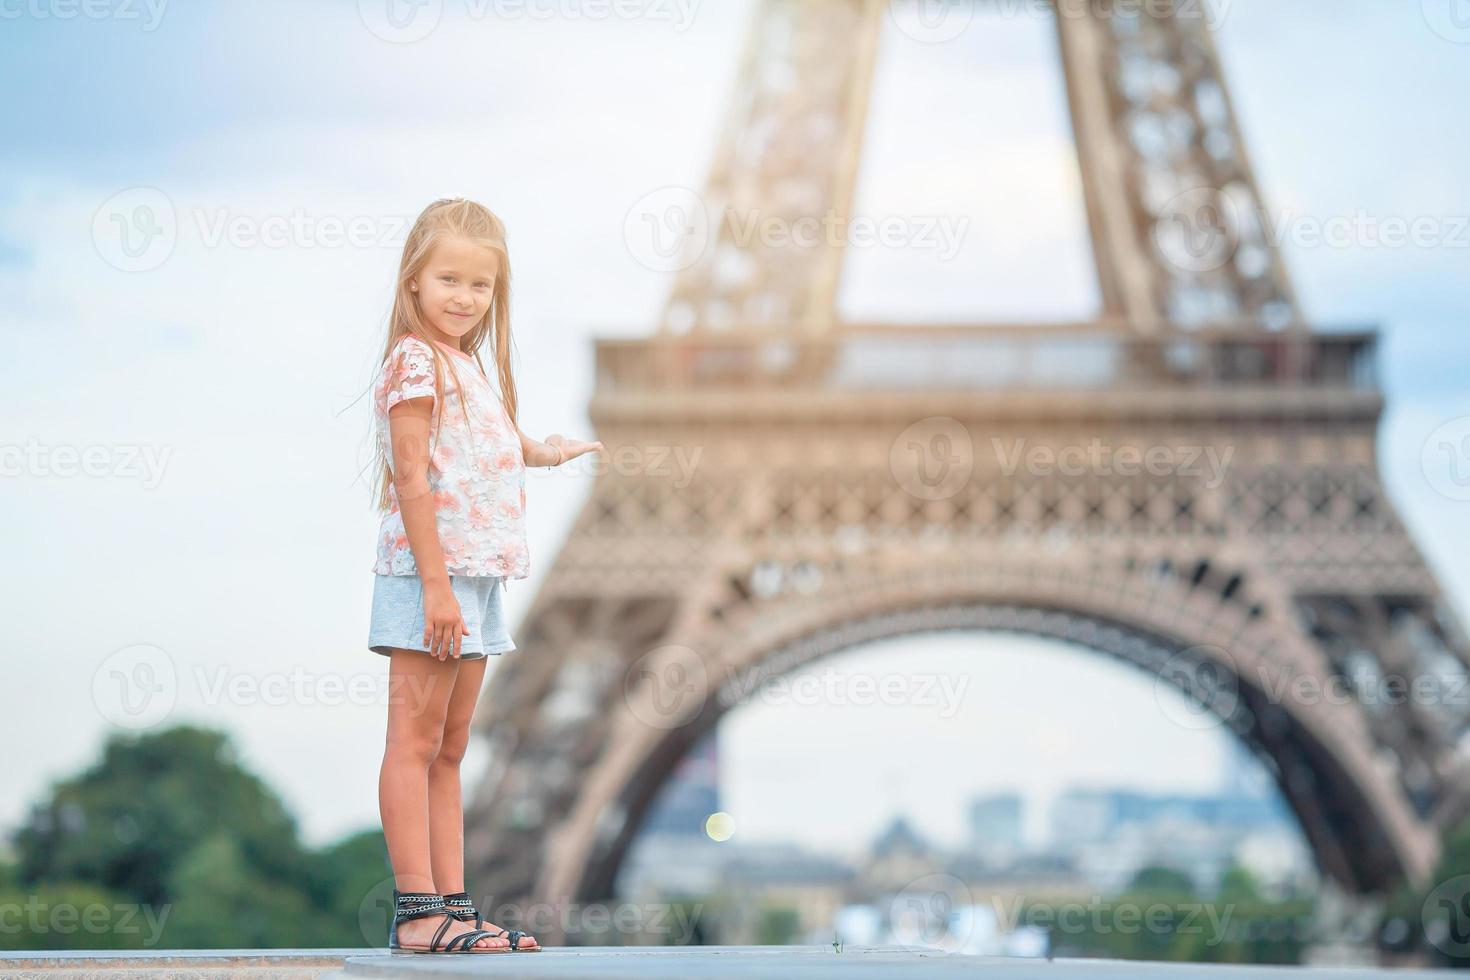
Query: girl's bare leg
446, 807
419, 692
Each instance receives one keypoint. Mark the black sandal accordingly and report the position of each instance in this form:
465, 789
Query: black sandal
462, 907
417, 905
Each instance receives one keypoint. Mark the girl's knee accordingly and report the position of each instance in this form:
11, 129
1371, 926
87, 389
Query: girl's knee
452, 746
418, 746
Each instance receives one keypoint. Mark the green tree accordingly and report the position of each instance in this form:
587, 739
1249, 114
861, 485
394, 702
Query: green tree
341, 880
1239, 885
128, 822
1162, 880
218, 901
1159, 918
1441, 903
74, 915
777, 926
186, 848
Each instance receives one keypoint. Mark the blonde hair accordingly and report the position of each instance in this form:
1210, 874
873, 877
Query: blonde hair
445, 219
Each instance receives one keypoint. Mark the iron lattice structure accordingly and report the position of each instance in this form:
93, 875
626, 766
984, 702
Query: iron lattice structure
850, 481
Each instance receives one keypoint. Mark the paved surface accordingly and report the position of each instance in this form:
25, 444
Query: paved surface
816, 963
175, 964
628, 963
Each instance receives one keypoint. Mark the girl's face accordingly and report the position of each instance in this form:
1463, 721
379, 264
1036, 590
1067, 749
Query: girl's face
455, 286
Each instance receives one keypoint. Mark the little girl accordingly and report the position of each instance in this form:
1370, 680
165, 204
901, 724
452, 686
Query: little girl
452, 488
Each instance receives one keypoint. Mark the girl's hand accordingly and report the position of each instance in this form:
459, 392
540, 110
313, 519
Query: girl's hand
572, 448
444, 627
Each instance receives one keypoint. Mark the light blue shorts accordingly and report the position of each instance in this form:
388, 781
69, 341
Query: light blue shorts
398, 615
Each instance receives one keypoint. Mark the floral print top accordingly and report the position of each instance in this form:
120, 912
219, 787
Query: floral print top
477, 475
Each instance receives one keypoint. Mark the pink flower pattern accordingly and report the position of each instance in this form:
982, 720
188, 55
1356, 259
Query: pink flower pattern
477, 474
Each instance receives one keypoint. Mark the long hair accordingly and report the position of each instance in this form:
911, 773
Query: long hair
451, 218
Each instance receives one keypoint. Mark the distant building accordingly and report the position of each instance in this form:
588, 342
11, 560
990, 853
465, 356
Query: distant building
899, 855
690, 795
1089, 816
671, 854
813, 886
1112, 834
995, 828
666, 865
1081, 817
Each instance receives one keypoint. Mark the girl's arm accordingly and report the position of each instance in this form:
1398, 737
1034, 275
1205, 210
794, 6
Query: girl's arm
555, 450
408, 431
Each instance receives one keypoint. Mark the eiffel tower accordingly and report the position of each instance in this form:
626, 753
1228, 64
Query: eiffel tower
845, 490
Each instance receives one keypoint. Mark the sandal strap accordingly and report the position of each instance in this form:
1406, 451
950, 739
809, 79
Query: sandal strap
439, 934
461, 906
465, 941
416, 905
514, 935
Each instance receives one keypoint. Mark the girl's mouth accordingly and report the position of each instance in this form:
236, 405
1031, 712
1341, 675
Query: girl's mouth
462, 316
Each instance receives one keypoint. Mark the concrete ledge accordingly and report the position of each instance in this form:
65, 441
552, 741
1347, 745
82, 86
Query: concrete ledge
640, 962
177, 964
818, 963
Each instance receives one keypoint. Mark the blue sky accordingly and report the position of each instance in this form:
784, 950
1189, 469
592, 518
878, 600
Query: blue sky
242, 365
